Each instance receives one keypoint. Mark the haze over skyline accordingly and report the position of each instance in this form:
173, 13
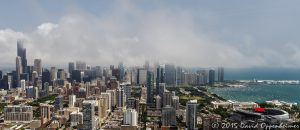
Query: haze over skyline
236, 34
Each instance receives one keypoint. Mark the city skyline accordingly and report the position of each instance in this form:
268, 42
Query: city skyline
195, 34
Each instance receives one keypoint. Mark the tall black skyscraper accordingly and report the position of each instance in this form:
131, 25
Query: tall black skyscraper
150, 87
21, 51
160, 77
46, 77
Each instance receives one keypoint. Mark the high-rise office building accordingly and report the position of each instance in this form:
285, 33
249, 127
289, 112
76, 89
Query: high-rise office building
121, 96
161, 89
127, 91
211, 75
18, 113
141, 76
168, 117
221, 74
191, 115
121, 71
179, 76
21, 52
38, 66
19, 69
130, 117
46, 77
150, 89
71, 67
160, 77
170, 74
88, 111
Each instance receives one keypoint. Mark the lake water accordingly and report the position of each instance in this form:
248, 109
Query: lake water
260, 93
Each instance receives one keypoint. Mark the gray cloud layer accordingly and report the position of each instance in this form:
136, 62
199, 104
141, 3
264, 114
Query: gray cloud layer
130, 34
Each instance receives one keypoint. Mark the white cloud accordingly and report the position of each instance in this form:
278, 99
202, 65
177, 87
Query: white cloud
132, 35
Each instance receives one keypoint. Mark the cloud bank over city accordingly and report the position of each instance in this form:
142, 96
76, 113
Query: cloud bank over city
253, 35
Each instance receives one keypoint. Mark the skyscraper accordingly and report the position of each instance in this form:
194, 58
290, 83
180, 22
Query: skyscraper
211, 75
191, 115
170, 74
53, 73
221, 74
121, 71
130, 117
168, 116
141, 76
38, 66
88, 110
160, 77
71, 67
19, 69
150, 95
21, 52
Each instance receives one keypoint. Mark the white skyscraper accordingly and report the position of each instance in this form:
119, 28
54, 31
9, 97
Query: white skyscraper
72, 100
130, 117
23, 84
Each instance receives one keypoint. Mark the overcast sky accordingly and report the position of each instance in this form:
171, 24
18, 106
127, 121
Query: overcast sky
195, 33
